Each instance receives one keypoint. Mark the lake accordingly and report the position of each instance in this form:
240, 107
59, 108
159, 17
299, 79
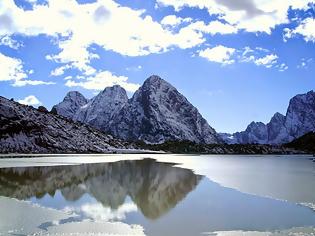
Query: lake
153, 194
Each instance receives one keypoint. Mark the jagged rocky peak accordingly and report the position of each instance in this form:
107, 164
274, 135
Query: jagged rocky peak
99, 110
74, 96
158, 112
277, 117
70, 104
256, 132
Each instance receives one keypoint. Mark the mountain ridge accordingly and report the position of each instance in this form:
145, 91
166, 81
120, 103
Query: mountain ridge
299, 120
157, 112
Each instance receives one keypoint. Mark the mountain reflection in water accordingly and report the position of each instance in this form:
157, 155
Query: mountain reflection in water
154, 187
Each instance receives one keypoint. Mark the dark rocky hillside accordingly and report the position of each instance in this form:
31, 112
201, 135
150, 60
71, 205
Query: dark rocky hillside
24, 129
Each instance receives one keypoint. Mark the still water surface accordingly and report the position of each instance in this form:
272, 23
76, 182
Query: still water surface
157, 195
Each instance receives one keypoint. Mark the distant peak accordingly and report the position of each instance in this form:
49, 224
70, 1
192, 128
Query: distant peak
154, 77
72, 95
114, 89
278, 114
155, 81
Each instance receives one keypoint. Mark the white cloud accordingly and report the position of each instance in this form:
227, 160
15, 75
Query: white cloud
258, 56
21, 83
214, 27
8, 41
102, 80
261, 57
267, 61
250, 15
172, 20
283, 67
11, 69
60, 70
219, 54
68, 77
306, 29
108, 26
30, 100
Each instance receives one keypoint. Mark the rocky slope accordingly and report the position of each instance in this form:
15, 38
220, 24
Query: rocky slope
299, 119
157, 112
24, 129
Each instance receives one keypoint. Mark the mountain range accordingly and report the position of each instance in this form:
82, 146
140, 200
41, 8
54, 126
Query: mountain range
299, 120
156, 113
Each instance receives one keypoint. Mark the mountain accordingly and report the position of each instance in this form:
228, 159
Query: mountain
99, 111
24, 129
256, 132
299, 119
304, 143
157, 112
70, 104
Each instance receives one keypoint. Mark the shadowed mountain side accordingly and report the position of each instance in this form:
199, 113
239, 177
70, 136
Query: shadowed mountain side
154, 187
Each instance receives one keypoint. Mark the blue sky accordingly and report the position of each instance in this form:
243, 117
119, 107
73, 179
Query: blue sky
236, 61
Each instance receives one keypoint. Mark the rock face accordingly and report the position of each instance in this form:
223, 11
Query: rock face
157, 112
276, 129
299, 120
70, 104
256, 132
24, 129
99, 111
300, 117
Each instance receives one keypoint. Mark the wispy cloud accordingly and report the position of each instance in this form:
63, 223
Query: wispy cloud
11, 69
